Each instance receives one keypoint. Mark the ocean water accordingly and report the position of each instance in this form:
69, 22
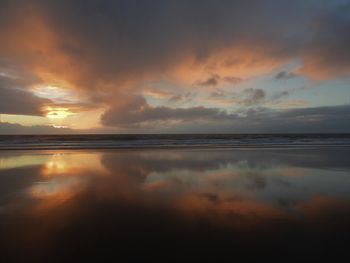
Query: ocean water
188, 198
171, 140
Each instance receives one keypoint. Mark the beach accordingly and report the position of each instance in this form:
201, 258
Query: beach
174, 131
174, 203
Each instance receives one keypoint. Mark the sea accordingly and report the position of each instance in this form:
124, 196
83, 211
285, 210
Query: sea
171, 140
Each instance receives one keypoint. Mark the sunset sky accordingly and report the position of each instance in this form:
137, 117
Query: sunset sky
174, 66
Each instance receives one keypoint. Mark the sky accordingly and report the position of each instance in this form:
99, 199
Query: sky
174, 66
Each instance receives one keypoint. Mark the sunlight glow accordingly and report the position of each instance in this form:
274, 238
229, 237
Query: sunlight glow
56, 94
57, 113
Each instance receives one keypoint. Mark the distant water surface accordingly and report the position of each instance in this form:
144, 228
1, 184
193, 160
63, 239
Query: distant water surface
182, 204
170, 140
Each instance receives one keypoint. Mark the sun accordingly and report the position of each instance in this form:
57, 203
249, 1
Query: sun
58, 113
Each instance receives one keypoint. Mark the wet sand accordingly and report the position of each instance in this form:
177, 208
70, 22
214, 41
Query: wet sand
174, 204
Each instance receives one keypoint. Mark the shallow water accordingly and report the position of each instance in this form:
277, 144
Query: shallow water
182, 204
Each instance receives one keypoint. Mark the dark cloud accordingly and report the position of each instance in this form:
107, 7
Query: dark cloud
333, 119
285, 75
304, 120
136, 111
253, 96
319, 113
279, 95
181, 97
15, 99
217, 94
210, 82
215, 79
328, 53
233, 80
201, 119
116, 41
175, 98
314, 120
125, 36
11, 128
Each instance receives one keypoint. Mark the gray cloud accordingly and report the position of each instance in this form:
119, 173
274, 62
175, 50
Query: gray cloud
210, 82
332, 119
181, 97
215, 79
279, 95
118, 40
15, 99
253, 96
328, 52
233, 80
218, 94
136, 111
285, 75
200, 119
303, 27
11, 128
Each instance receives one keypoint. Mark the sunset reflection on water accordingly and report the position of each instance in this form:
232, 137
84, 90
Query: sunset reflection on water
103, 201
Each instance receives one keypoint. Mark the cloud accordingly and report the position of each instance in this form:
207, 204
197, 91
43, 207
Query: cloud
254, 96
315, 120
246, 97
285, 75
104, 49
217, 94
167, 95
136, 111
301, 120
12, 128
15, 99
216, 79
214, 120
148, 37
327, 55
210, 82
292, 104
114, 42
187, 97
233, 80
